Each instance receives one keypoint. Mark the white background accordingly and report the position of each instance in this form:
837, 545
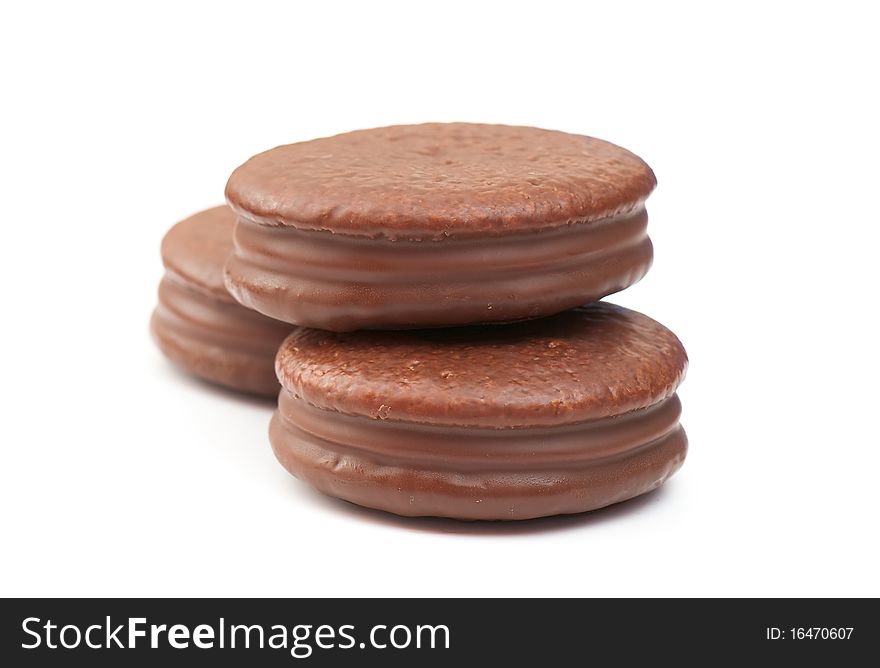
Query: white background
122, 477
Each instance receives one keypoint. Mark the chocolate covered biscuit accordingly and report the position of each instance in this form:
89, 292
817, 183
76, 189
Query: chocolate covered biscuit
197, 324
436, 225
545, 417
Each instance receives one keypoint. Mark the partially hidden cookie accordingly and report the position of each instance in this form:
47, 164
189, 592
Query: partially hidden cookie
560, 415
197, 324
436, 225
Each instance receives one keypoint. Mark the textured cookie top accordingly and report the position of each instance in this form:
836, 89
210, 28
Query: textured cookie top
593, 362
437, 180
196, 248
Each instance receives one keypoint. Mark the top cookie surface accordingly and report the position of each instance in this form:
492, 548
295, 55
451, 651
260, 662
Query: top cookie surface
439, 179
196, 248
592, 362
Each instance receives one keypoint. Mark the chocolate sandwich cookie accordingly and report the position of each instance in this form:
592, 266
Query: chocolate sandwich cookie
197, 324
561, 415
436, 225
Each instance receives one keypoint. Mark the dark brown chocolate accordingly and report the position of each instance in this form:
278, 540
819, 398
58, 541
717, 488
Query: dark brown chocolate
197, 325
561, 415
436, 225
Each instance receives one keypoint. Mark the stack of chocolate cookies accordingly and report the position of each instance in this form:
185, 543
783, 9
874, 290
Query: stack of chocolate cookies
445, 354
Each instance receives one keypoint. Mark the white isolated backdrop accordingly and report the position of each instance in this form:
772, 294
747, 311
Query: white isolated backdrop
123, 477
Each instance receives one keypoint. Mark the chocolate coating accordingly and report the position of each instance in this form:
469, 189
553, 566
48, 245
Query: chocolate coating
195, 249
197, 324
439, 180
436, 225
561, 415
587, 363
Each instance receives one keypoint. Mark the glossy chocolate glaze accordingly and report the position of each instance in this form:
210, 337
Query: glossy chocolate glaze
436, 225
560, 415
337, 282
477, 473
216, 340
197, 325
449, 448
